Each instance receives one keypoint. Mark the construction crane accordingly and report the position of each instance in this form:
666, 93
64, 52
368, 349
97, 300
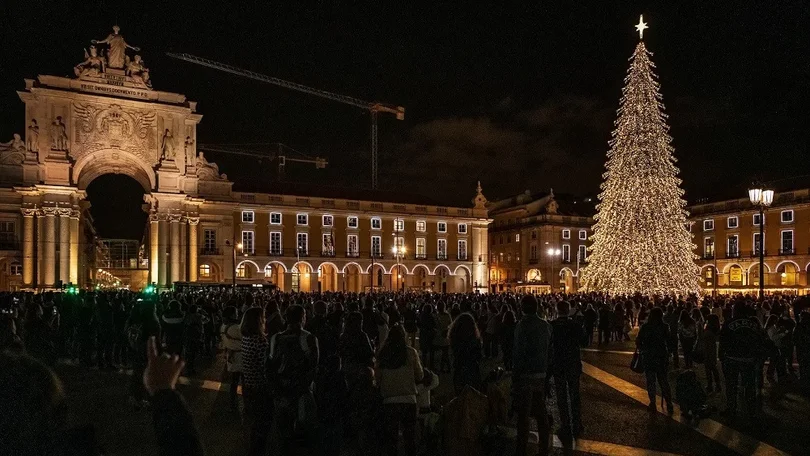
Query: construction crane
281, 156
373, 108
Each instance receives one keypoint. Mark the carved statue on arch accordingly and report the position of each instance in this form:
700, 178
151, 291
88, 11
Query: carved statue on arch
116, 55
93, 64
12, 152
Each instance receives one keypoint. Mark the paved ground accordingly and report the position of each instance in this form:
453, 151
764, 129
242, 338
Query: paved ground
614, 414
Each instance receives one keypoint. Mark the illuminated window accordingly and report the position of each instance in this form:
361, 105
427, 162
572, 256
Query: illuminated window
248, 216
399, 224
15, 268
247, 241
303, 244
566, 253
7, 231
376, 246
517, 237
583, 253
733, 246
210, 240
275, 218
787, 216
275, 243
462, 228
708, 225
268, 271
756, 220
327, 220
441, 227
421, 226
351, 221
302, 219
462, 250
566, 234
205, 271
421, 252
756, 243
376, 223
708, 247
787, 242
441, 252
351, 246
241, 271
328, 245
732, 222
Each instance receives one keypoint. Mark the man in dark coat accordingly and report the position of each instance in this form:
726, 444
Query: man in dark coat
566, 367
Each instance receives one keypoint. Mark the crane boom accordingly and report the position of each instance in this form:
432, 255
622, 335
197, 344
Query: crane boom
373, 107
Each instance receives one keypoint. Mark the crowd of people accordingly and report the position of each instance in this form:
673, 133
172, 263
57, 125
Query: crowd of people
331, 371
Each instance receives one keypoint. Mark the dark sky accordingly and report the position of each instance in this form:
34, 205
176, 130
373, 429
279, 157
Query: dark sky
518, 97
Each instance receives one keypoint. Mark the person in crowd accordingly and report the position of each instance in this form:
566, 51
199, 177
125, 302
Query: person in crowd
507, 337
40, 335
465, 343
398, 370
194, 333
566, 368
371, 320
742, 345
708, 343
671, 320
531, 362
604, 324
274, 322
105, 334
652, 343
687, 334
801, 338
354, 348
231, 339
786, 325
291, 365
427, 334
320, 327
255, 393
121, 350
410, 322
442, 340
590, 318
142, 325
776, 333
331, 398
490, 332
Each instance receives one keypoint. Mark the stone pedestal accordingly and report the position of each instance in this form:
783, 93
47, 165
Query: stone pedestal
56, 169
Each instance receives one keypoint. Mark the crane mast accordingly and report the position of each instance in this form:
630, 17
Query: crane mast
374, 108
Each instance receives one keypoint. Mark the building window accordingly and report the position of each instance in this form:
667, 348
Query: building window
708, 248
583, 235
787, 216
787, 242
582, 253
268, 271
462, 228
756, 219
351, 246
441, 227
733, 246
533, 252
708, 225
205, 271
509, 257
399, 224
248, 216
441, 251
376, 223
421, 226
534, 235
302, 219
15, 268
566, 253
462, 249
756, 243
732, 222
421, 251
566, 234
210, 241
275, 243
275, 218
7, 232
302, 244
327, 220
517, 237
376, 246
241, 271
328, 245
247, 241
351, 222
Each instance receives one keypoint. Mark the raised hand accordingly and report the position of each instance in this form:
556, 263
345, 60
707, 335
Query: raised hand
162, 371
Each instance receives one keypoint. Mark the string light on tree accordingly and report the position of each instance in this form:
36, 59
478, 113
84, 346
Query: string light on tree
641, 243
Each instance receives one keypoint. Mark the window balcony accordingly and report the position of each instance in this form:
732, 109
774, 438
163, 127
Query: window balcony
328, 253
566, 260
462, 258
376, 255
203, 251
276, 252
302, 252
790, 251
708, 256
354, 254
441, 256
732, 254
420, 256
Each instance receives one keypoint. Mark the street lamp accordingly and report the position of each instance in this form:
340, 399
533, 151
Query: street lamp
237, 246
761, 198
399, 252
553, 253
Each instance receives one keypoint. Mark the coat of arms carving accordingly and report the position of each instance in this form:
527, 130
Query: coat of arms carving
112, 127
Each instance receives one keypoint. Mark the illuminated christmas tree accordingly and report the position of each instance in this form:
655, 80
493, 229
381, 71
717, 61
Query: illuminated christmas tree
641, 243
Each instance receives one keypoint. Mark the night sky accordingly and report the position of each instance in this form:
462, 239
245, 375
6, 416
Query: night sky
518, 97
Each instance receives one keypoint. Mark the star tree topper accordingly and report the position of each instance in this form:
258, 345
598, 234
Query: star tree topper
641, 26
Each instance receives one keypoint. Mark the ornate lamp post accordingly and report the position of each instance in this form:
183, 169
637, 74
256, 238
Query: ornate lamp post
399, 253
553, 253
761, 198
235, 247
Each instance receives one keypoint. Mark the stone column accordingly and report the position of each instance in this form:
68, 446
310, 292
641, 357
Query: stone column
49, 247
40, 251
64, 245
74, 246
163, 237
28, 246
193, 249
174, 224
154, 252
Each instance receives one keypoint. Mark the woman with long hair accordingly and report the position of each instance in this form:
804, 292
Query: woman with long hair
398, 370
441, 341
255, 390
465, 342
708, 343
687, 334
652, 344
354, 348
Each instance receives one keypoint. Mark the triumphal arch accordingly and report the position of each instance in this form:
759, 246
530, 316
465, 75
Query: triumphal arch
106, 119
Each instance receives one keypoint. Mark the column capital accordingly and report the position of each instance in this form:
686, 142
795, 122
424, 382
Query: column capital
158, 217
64, 211
75, 214
49, 211
174, 218
193, 220
29, 212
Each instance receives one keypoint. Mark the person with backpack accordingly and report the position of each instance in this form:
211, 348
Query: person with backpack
398, 370
291, 366
652, 343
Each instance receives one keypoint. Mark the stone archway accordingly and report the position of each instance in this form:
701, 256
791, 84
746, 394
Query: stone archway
113, 161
